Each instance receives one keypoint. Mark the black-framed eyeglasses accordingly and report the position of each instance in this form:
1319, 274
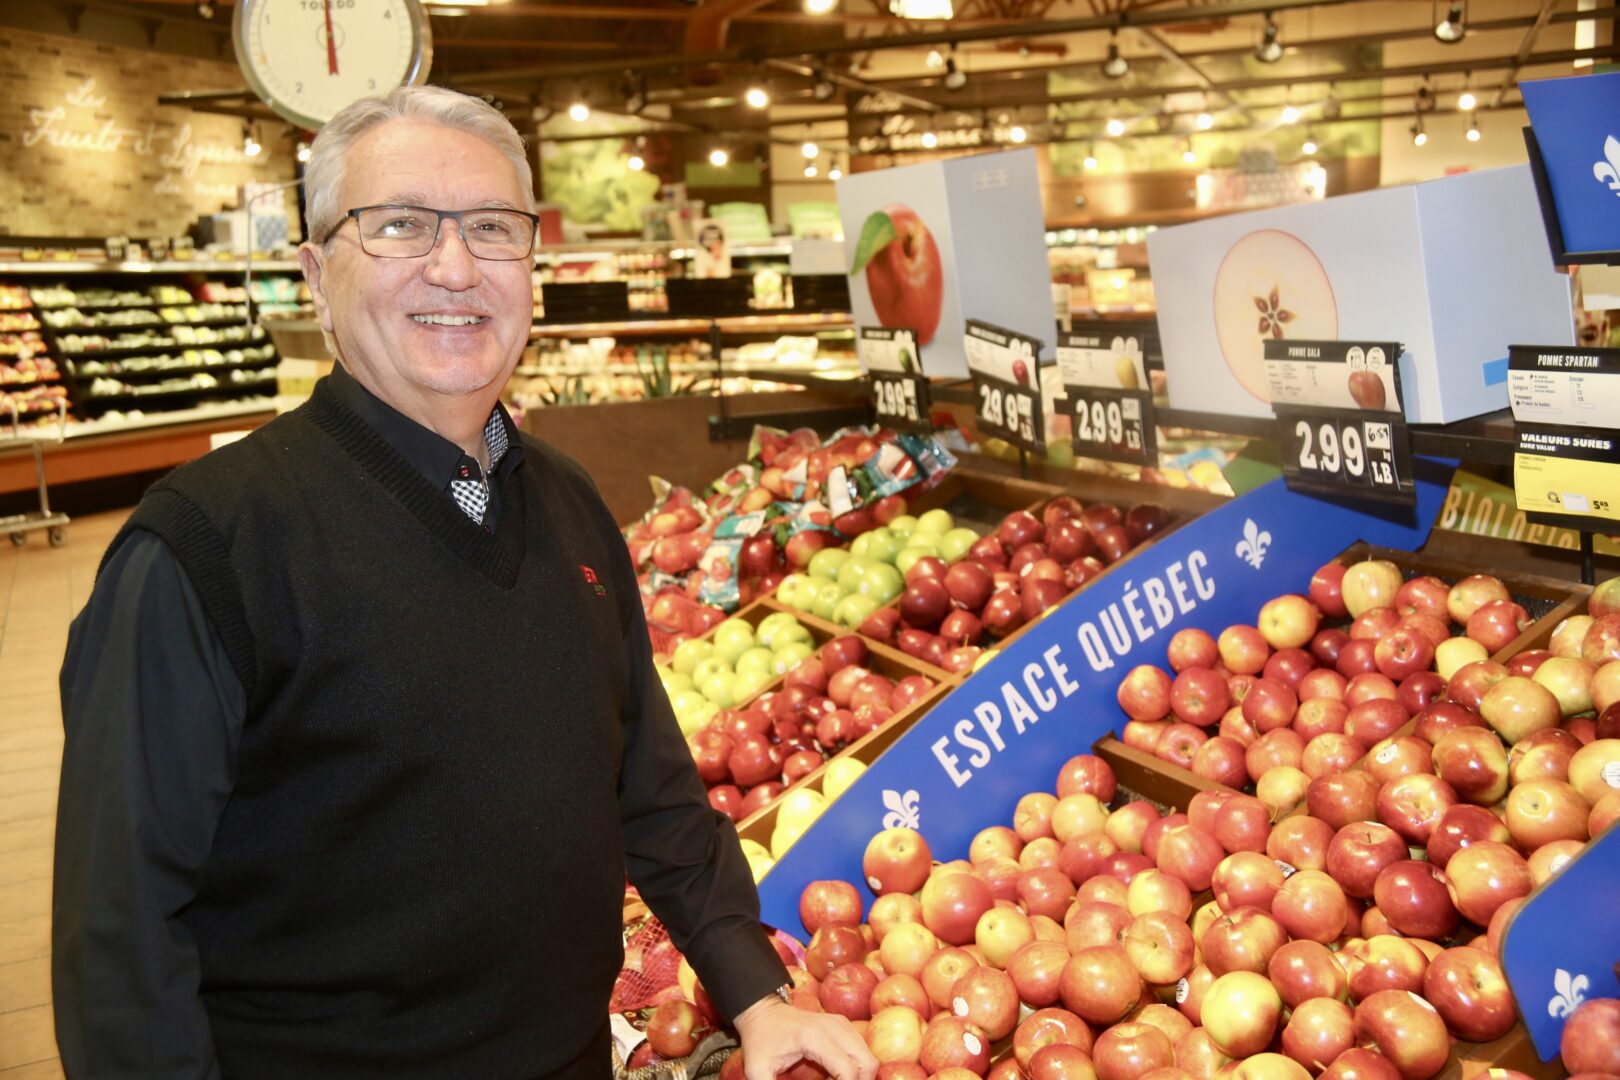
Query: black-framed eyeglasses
392, 231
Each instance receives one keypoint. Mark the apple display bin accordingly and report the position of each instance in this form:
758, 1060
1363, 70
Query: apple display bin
831, 847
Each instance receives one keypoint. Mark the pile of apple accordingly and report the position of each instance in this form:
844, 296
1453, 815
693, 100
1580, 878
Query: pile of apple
748, 755
1007, 578
731, 666
847, 586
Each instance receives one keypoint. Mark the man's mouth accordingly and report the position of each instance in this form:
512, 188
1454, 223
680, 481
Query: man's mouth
450, 320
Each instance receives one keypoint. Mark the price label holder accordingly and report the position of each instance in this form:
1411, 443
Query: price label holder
1566, 409
1105, 386
1339, 419
899, 387
1004, 366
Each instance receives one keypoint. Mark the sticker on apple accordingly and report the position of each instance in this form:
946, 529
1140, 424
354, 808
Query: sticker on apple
971, 1041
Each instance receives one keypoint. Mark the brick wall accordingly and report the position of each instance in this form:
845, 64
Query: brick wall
86, 150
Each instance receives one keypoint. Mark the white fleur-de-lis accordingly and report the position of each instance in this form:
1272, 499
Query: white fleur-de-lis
1571, 992
1252, 548
1608, 172
905, 811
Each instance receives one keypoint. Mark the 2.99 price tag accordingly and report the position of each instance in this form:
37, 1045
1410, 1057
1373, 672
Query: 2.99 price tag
1005, 369
1105, 382
1329, 453
899, 388
1113, 425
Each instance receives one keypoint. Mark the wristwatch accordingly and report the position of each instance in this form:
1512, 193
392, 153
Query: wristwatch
785, 992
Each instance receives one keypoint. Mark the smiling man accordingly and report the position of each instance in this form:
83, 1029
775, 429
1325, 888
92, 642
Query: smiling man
362, 729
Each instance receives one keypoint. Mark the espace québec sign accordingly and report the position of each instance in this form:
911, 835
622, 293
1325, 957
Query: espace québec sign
1006, 731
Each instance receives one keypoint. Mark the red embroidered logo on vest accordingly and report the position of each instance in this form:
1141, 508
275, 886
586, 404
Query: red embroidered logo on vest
590, 579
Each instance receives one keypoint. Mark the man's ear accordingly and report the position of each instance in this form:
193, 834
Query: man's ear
313, 262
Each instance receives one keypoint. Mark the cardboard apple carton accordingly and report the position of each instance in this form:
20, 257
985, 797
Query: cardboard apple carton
1456, 270
929, 246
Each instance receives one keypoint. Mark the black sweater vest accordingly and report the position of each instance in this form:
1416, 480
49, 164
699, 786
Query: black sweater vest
419, 871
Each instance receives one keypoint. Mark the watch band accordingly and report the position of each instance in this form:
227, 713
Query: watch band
785, 992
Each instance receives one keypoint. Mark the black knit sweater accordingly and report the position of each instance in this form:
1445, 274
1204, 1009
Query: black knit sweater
455, 746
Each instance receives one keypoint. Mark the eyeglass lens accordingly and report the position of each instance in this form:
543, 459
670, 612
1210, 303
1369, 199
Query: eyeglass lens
408, 232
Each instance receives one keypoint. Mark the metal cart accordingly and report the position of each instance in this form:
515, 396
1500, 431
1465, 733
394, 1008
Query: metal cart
18, 526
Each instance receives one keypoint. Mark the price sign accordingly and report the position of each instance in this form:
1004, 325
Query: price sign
899, 388
1005, 369
1339, 419
1105, 384
1566, 402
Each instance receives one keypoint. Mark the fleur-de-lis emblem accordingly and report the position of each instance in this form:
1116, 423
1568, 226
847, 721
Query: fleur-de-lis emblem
1272, 314
1252, 548
1571, 991
905, 811
1608, 172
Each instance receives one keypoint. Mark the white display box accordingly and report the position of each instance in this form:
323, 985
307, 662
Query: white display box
1456, 270
983, 215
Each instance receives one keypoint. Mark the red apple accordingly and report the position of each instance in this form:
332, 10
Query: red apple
1542, 811
940, 973
952, 903
1144, 693
1190, 648
1400, 755
1460, 826
1471, 593
1302, 970
1371, 583
1497, 623
829, 903
1405, 1029
896, 861
1242, 940
1474, 762
1036, 970
1360, 1063
1199, 696
1516, 706
1311, 906
1086, 774
1340, 798
1319, 1030
1467, 987
1240, 1012
1190, 854
1326, 590
1403, 652
1221, 759
1049, 1027
1469, 684
1414, 898
1301, 841
1127, 1051
986, 998
905, 278
951, 1041
1383, 962
831, 946
1288, 621
1160, 946
1590, 1042
1329, 752
969, 584
1243, 650
1100, 984
847, 991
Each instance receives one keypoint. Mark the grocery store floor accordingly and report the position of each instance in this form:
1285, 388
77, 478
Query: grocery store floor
41, 589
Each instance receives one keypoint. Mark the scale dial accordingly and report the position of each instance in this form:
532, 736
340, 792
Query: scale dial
308, 59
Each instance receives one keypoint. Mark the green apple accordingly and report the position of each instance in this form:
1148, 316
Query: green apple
928, 542
827, 598
859, 546
721, 688
674, 682
732, 638
882, 583
840, 773
687, 703
774, 623
789, 656
938, 522
955, 543
826, 562
884, 546
904, 525
755, 661
791, 592
792, 635
852, 572
750, 683
853, 609
689, 653
707, 669
908, 557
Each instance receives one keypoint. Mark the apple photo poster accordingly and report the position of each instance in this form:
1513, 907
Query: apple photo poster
928, 245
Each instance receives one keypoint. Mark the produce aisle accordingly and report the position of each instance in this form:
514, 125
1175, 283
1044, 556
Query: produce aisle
41, 589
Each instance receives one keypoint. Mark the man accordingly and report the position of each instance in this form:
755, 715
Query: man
363, 732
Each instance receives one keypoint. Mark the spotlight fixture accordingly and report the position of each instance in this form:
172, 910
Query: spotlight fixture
1187, 155
1116, 127
250, 144
1204, 121
810, 150
1466, 101
1017, 133
1116, 65
821, 87
1450, 30
636, 163
1270, 50
757, 97
1309, 148
303, 153
936, 60
932, 10
718, 157
206, 10
1425, 98
819, 7
835, 173
1419, 136
955, 77
1090, 161
1473, 128
1290, 114
579, 112
929, 140
809, 172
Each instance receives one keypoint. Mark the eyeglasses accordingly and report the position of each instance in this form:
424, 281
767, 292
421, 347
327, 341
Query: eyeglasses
409, 232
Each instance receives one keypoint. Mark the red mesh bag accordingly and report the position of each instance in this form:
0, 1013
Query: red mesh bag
650, 963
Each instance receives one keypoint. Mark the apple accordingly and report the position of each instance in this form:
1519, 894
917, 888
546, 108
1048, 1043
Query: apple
1221, 759
1370, 584
1542, 811
1290, 666
1440, 717
952, 903
1049, 1027
891, 911
829, 903
1160, 946
1359, 852
1403, 652
1497, 623
1243, 650
1144, 693
1082, 857
1361, 1063
831, 946
1242, 823
1329, 752
1094, 922
1407, 1030
1604, 813
1373, 720
1601, 645
1516, 706
1400, 755
1469, 684
1460, 826
1311, 906
906, 948
1318, 1031
940, 973
1000, 932
1100, 984
1153, 890
895, 1032
1036, 971
1281, 788
1001, 874
1467, 987
1590, 1042
1549, 860
1078, 814
1414, 897
1127, 1051
1471, 593
1474, 762
1288, 621
1569, 634
1061, 1063
1190, 648
1086, 774
1240, 1011
986, 998
1327, 645
969, 584
1190, 854
1269, 705
1199, 696
1278, 747
1594, 771
1327, 590
1242, 940
1303, 970
1321, 683
847, 991
1542, 755
1341, 798
1383, 962
905, 277
1301, 841
1412, 805
1454, 654
951, 1041
994, 841
1179, 744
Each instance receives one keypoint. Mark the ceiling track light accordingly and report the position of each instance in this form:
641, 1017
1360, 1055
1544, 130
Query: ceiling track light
636, 163
1017, 133
821, 87
757, 97
819, 7
250, 143
1473, 128
1187, 154
1466, 101
1290, 115
303, 153
1270, 50
1090, 160
580, 110
1309, 149
1115, 127
1419, 136
1451, 29
1116, 65
929, 140
810, 149
1204, 121
718, 157
955, 78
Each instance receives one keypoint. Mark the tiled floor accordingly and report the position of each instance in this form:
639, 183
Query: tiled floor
41, 589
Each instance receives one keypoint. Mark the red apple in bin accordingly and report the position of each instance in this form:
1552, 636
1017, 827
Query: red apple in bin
1323, 682
1040, 595
1068, 540
847, 991
1591, 1039
905, 277
1061, 508
1327, 590
1414, 898
882, 625
1460, 826
1485, 875
896, 861
1003, 613
1467, 987
1407, 1030
1302, 970
1049, 1027
1191, 648
758, 798
1474, 762
1100, 984
1360, 1063
969, 584
727, 798
1086, 774
951, 1041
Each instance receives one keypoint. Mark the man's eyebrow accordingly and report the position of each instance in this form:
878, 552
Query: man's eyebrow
416, 198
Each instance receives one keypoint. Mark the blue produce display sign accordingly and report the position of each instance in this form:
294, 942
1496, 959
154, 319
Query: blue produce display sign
1562, 947
1574, 124
1051, 694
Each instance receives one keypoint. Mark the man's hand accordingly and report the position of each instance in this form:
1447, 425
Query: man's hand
776, 1036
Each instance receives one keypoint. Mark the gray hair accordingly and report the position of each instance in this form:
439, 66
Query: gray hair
323, 175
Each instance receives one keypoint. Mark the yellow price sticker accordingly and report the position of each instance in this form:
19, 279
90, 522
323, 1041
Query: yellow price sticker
1554, 485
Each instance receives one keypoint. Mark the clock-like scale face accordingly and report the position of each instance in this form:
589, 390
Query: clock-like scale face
309, 58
